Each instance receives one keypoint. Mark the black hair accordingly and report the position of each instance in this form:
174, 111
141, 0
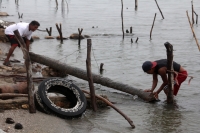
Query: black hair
35, 23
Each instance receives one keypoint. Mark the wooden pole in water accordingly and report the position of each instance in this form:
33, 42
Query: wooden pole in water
89, 75
101, 67
21, 15
131, 30
57, 3
152, 26
136, 4
136, 40
131, 40
79, 36
193, 31
111, 105
192, 13
29, 72
170, 96
196, 17
49, 31
60, 32
159, 9
122, 19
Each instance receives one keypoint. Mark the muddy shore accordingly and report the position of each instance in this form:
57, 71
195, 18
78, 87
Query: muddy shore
32, 123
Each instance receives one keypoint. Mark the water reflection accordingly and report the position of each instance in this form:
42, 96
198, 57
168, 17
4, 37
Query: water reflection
165, 118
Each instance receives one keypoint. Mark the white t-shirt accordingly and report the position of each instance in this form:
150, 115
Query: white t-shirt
23, 29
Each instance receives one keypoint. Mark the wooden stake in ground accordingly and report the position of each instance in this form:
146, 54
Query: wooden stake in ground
60, 32
159, 9
152, 26
122, 19
89, 75
193, 31
49, 31
170, 96
79, 36
111, 105
29, 72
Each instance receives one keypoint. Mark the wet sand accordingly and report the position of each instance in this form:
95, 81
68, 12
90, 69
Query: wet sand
33, 123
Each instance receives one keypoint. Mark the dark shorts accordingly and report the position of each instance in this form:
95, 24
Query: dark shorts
13, 41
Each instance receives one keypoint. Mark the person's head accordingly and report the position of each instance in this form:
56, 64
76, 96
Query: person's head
149, 66
34, 25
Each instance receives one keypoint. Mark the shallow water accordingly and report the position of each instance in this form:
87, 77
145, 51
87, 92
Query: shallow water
122, 60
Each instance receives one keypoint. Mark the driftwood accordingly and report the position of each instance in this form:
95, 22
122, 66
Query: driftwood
29, 72
89, 74
170, 97
111, 105
82, 74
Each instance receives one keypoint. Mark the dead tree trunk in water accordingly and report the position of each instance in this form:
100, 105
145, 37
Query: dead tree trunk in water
82, 74
170, 96
29, 72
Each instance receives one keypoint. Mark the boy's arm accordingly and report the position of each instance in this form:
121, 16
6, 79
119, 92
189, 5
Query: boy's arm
162, 73
154, 84
27, 44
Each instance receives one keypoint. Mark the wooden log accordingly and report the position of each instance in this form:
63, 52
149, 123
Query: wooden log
193, 31
82, 74
89, 75
152, 26
11, 95
79, 36
29, 72
170, 96
159, 9
122, 20
111, 105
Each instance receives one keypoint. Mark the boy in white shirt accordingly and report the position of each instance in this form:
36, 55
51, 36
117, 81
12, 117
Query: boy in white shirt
25, 31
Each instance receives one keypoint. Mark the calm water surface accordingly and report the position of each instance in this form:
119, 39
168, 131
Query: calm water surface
122, 60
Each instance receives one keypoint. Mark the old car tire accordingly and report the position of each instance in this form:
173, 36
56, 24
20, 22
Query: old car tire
67, 88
